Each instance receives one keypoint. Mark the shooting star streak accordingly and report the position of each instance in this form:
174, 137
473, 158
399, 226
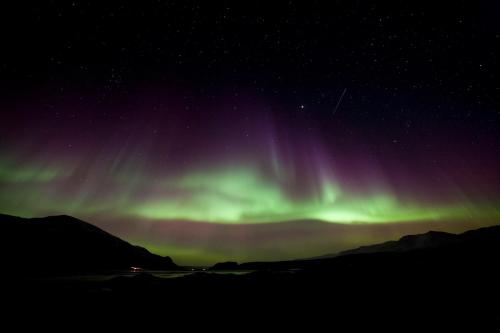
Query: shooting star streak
339, 101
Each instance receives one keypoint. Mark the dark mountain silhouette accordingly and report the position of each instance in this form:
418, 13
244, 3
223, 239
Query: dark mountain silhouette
487, 236
431, 239
64, 244
481, 244
228, 265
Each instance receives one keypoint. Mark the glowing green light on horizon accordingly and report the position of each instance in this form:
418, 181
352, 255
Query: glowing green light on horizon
231, 195
241, 196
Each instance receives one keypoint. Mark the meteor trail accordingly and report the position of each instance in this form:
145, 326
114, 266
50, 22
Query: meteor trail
339, 101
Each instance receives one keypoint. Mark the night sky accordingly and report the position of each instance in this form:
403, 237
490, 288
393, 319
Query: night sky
259, 130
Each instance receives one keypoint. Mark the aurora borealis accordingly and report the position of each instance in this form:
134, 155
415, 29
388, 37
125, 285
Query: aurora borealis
266, 195
246, 159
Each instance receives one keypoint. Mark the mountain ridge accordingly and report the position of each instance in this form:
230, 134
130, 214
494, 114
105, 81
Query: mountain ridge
477, 240
64, 243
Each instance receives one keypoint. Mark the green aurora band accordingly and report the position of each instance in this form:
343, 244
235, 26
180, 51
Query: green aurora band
269, 202
231, 196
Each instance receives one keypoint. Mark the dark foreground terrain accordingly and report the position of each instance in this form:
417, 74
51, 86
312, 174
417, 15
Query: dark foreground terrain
434, 281
65, 245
